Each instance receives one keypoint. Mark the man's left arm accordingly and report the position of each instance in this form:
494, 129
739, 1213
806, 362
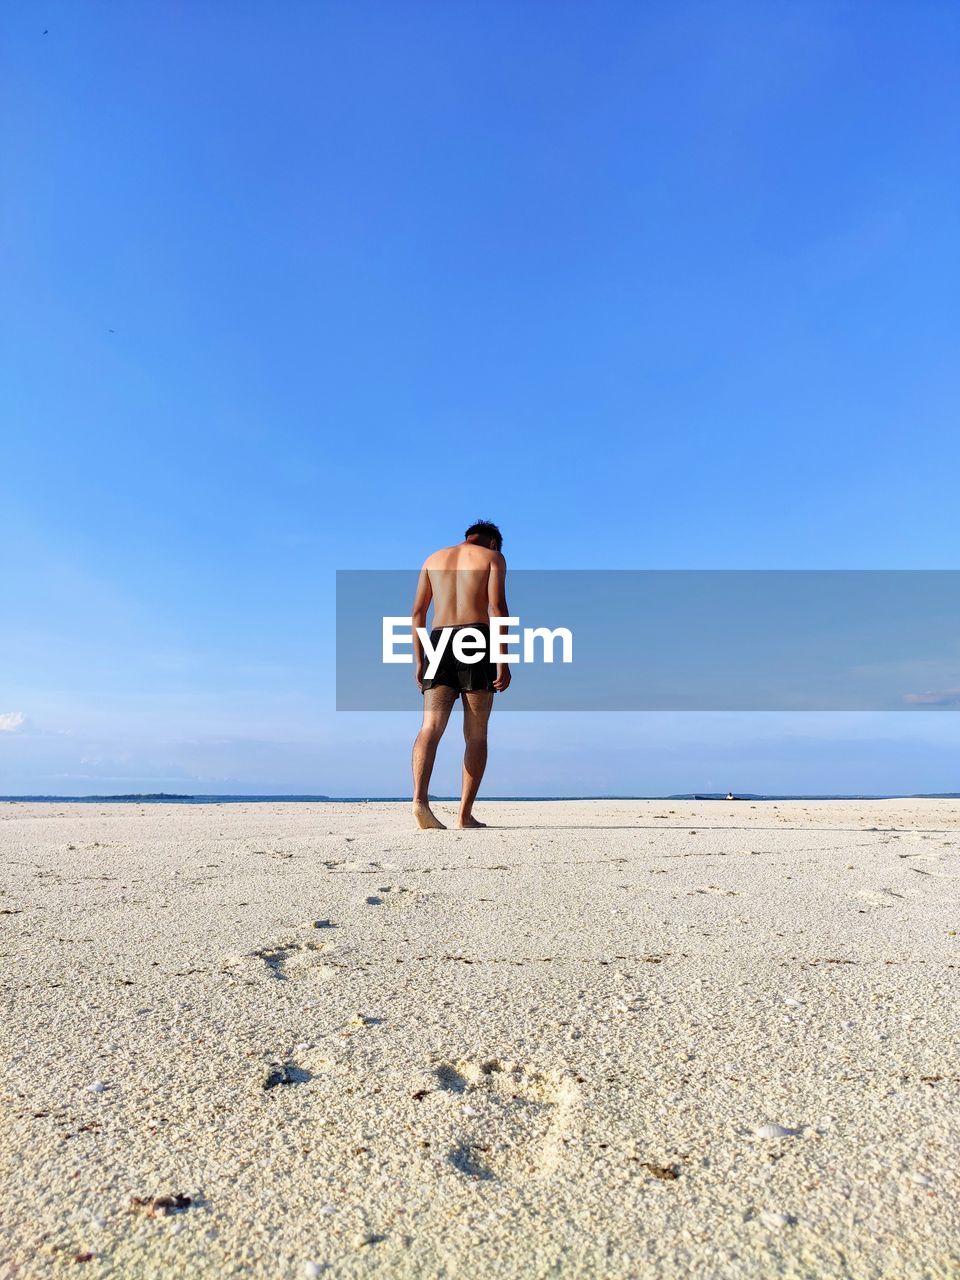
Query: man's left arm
497, 608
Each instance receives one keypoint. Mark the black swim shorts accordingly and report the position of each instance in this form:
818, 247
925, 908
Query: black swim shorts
463, 676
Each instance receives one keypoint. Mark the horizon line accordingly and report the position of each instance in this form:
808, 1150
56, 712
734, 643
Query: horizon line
162, 797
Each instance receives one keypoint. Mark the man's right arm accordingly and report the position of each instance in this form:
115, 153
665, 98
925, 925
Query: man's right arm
497, 608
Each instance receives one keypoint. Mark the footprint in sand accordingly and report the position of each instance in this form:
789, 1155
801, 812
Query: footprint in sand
395, 895
284, 961
501, 1120
941, 868
880, 897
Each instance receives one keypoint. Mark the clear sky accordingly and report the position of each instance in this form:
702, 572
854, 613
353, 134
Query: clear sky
293, 287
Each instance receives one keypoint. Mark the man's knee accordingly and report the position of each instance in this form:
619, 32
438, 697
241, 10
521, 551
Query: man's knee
475, 735
431, 732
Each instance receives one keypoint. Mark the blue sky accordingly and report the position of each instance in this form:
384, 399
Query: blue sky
298, 287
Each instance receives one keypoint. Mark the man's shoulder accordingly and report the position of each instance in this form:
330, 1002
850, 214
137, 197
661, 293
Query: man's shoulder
436, 558
462, 557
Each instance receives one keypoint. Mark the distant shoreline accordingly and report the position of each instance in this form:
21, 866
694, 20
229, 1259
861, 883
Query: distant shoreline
164, 798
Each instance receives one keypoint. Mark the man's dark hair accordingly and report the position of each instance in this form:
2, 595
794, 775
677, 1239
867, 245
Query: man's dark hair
487, 530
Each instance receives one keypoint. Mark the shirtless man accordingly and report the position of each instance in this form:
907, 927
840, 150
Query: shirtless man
467, 586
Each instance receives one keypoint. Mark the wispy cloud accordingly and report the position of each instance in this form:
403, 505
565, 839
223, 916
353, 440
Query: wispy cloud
10, 721
940, 698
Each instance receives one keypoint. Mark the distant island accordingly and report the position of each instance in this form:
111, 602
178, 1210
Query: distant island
159, 797
153, 795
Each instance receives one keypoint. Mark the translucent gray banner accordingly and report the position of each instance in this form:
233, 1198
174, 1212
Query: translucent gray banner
687, 640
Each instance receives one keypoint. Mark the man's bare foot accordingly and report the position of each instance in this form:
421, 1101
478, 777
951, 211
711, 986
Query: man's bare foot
426, 818
470, 821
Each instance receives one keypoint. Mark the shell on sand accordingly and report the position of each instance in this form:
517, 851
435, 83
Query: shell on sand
774, 1131
774, 1221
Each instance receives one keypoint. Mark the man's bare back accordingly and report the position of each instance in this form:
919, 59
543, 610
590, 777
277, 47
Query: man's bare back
460, 582
466, 585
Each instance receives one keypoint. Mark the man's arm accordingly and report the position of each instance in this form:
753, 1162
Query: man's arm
497, 608
418, 616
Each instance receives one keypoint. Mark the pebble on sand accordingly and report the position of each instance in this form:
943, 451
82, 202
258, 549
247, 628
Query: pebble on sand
97, 1087
161, 1206
278, 1074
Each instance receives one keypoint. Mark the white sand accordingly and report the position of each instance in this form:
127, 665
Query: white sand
546, 1009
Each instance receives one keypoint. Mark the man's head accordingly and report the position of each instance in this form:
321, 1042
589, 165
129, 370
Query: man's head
486, 534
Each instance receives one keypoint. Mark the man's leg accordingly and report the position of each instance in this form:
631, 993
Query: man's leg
437, 705
477, 705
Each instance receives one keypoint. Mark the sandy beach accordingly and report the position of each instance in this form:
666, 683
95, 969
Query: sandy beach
598, 1038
